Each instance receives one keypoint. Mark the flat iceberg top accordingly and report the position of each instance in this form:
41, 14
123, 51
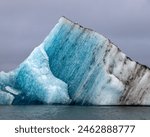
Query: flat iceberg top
79, 66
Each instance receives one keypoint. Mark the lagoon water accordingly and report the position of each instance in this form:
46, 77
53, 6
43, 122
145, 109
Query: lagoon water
62, 112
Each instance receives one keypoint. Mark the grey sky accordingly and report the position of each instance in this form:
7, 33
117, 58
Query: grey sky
25, 23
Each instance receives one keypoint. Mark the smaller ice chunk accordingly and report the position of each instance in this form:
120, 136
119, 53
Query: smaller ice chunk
6, 98
11, 90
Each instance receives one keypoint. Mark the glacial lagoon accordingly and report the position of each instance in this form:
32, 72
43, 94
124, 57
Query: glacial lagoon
68, 112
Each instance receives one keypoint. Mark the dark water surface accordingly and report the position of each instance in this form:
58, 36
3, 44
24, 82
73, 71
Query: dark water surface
60, 112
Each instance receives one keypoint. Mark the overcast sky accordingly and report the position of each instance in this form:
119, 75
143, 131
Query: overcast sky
25, 23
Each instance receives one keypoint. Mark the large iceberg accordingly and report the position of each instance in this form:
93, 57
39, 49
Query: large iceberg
76, 65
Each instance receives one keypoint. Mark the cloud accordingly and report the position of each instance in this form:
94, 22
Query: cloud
24, 24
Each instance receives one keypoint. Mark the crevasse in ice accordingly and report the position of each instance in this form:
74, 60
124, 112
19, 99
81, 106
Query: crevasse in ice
79, 66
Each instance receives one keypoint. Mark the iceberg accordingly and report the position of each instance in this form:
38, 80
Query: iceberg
76, 65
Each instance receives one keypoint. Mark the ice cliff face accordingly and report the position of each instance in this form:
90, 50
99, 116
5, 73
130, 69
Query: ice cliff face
79, 66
